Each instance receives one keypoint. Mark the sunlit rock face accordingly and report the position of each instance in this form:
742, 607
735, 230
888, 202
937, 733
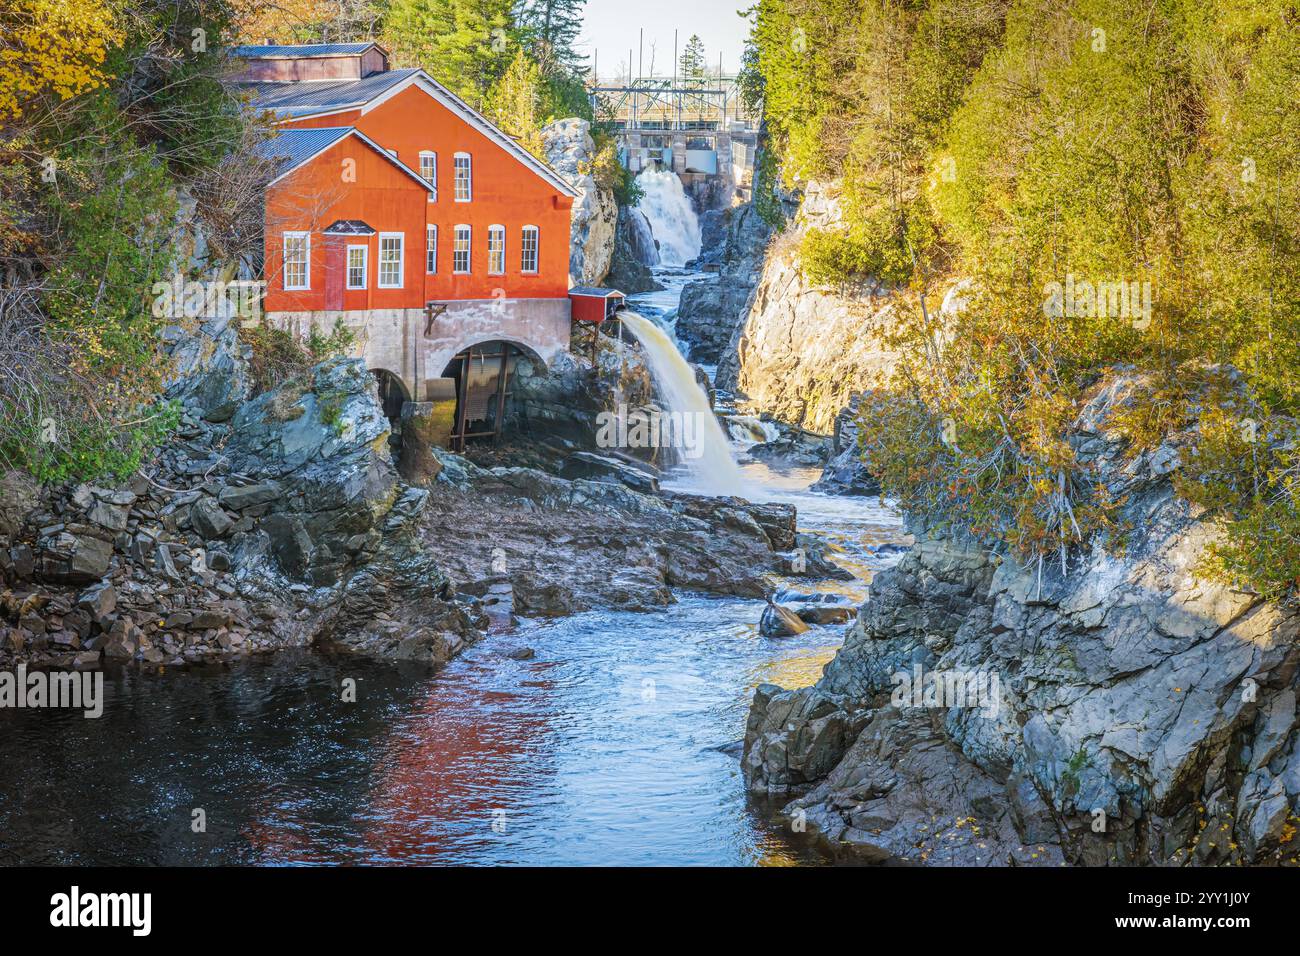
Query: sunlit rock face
570, 151
1143, 714
801, 350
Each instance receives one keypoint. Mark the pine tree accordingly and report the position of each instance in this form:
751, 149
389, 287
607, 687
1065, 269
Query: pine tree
691, 63
464, 44
513, 103
549, 29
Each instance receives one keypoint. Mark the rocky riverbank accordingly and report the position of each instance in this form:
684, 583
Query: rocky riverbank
1143, 714
280, 520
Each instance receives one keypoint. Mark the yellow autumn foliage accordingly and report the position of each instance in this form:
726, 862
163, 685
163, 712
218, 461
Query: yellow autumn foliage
52, 46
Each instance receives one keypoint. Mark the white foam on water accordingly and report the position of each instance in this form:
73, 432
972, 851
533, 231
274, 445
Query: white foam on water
671, 216
711, 467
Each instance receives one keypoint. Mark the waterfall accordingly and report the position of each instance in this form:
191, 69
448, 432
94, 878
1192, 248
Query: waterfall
671, 216
704, 449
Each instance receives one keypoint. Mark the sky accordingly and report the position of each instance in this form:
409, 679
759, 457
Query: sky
612, 27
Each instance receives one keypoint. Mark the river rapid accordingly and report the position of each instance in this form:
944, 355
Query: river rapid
616, 744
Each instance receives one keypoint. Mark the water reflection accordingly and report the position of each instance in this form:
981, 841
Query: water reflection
601, 750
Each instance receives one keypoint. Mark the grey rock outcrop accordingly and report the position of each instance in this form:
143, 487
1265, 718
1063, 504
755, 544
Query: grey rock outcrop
1136, 713
571, 151
734, 241
846, 472
635, 251
571, 545
278, 525
800, 350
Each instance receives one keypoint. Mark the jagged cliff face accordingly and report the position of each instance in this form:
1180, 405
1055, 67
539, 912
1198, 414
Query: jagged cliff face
734, 242
570, 151
802, 350
1142, 714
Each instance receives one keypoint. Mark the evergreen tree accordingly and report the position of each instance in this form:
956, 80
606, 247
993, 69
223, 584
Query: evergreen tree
514, 102
549, 29
692, 66
464, 44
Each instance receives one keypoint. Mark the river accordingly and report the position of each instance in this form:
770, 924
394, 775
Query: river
602, 749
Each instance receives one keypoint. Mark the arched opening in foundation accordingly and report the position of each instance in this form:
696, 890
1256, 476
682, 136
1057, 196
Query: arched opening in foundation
482, 374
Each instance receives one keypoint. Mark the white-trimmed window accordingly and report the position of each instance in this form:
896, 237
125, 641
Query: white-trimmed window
431, 249
391, 259
460, 251
528, 249
496, 250
429, 173
358, 257
297, 261
464, 178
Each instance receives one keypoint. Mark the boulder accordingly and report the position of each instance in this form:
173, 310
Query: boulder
778, 621
846, 472
585, 464
98, 602
240, 497
209, 520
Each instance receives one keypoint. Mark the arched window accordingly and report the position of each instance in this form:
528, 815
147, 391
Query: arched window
528, 246
496, 250
431, 249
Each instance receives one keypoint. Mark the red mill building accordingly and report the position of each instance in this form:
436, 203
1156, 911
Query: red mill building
402, 212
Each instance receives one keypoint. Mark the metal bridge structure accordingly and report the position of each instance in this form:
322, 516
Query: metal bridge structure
697, 127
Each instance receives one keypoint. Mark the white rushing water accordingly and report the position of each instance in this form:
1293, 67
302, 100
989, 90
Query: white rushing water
671, 216
705, 450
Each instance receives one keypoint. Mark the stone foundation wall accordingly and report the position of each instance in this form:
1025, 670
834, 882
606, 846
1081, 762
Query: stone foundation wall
397, 340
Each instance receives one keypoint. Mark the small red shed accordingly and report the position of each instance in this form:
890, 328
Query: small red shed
591, 304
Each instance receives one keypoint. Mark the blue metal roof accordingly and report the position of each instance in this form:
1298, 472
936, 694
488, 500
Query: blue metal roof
317, 96
293, 147
301, 50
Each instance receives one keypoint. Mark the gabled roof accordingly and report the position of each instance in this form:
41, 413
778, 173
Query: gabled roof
297, 147
349, 227
266, 51
290, 100
295, 100
293, 147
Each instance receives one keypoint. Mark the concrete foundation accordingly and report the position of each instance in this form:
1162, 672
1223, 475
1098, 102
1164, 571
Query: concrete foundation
407, 344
